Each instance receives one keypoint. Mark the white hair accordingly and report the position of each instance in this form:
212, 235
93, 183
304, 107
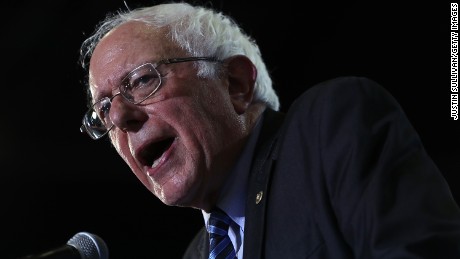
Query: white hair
199, 31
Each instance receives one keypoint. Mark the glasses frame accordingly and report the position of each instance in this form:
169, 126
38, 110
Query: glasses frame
86, 127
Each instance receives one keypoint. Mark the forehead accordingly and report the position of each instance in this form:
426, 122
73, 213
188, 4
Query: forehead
125, 48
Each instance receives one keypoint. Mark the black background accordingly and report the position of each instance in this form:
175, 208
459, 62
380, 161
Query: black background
57, 182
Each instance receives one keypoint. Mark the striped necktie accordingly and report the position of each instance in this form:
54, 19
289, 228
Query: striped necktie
220, 245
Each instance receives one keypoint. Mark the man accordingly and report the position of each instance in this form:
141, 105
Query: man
185, 98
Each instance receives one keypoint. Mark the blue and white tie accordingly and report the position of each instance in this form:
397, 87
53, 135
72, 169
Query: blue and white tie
220, 245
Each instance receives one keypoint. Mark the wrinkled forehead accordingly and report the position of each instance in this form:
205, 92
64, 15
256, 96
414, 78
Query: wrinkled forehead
126, 47
130, 42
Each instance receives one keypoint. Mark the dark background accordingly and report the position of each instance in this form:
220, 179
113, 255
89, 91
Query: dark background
57, 182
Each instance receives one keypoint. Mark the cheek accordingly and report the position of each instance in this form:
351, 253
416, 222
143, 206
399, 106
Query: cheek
196, 118
207, 128
120, 143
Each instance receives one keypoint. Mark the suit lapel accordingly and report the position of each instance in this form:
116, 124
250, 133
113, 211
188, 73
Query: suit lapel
264, 157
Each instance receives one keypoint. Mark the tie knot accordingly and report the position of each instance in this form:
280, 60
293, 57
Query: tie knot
220, 245
219, 223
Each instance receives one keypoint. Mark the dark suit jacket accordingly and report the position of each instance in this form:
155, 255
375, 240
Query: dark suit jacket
344, 175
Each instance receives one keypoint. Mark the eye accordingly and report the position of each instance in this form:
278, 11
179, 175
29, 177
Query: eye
144, 80
141, 82
101, 111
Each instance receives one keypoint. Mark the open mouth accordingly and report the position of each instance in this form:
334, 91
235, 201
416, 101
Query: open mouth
151, 155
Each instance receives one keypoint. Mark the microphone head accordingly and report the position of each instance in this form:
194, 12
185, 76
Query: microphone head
89, 245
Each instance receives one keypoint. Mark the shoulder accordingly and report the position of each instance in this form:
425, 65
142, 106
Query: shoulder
342, 90
346, 101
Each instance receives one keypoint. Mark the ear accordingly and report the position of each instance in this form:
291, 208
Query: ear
242, 75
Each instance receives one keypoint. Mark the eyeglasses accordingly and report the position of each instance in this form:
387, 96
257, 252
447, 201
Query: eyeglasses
136, 87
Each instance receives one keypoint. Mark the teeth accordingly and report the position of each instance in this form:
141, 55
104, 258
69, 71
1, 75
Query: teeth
157, 162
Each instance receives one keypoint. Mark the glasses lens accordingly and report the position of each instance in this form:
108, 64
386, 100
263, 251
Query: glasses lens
96, 120
141, 83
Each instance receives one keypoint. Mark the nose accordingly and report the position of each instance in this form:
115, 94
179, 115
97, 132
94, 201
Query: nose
125, 115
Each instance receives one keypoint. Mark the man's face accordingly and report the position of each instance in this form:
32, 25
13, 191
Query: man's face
181, 142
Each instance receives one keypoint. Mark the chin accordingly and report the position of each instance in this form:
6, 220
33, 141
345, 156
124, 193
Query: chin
172, 196
178, 190
173, 201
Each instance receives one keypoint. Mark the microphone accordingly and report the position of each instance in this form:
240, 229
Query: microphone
82, 245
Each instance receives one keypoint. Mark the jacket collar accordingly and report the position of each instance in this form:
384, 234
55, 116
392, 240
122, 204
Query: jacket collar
265, 155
